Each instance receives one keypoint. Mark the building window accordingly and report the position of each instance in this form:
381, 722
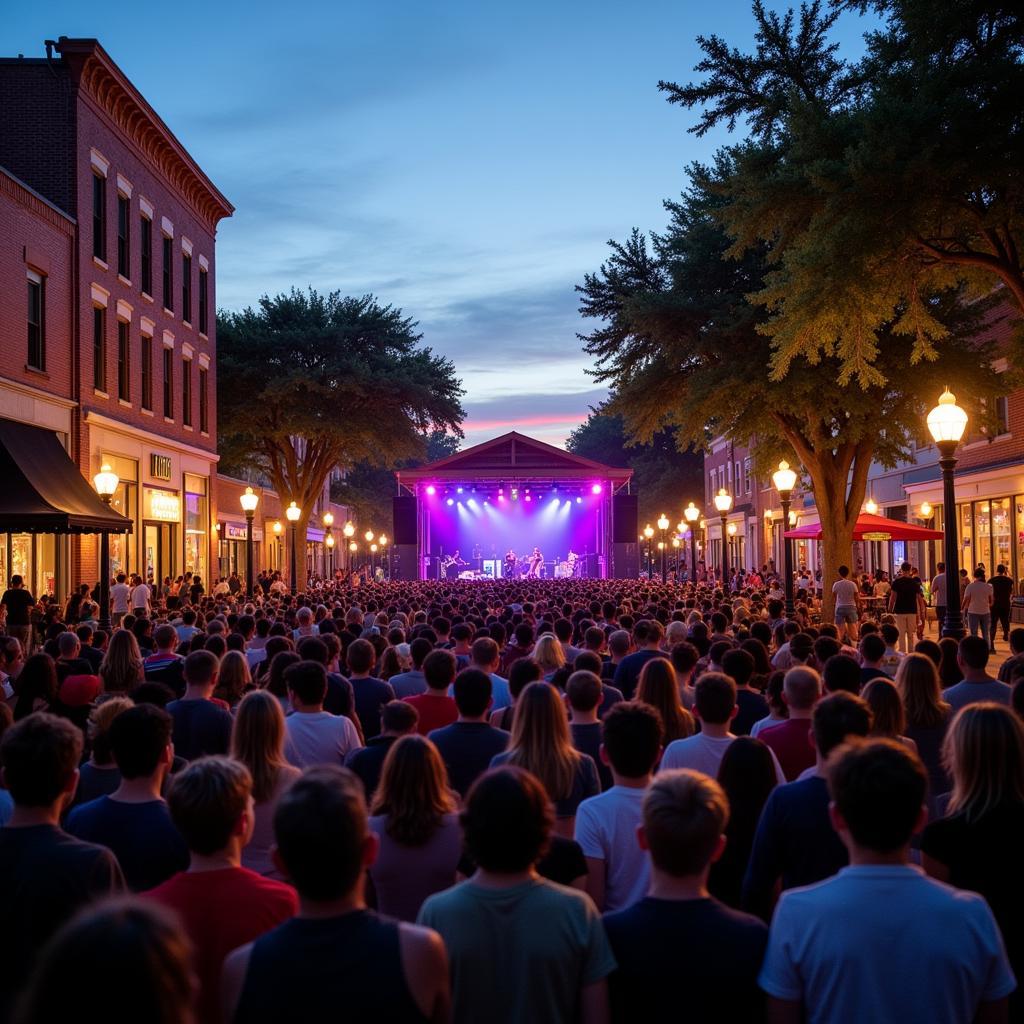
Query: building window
146, 254
123, 236
124, 385
746, 475
186, 288
204, 298
186, 392
147, 372
99, 216
168, 273
169, 383
99, 348
204, 408
1002, 407
36, 321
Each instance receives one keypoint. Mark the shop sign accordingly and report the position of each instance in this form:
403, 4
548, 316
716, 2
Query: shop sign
233, 531
876, 536
160, 466
163, 506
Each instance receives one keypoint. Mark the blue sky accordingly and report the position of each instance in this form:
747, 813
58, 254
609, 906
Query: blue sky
464, 161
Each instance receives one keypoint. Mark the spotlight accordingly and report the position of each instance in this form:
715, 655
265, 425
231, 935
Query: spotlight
431, 490
579, 501
451, 501
458, 490
501, 497
501, 492
528, 498
596, 489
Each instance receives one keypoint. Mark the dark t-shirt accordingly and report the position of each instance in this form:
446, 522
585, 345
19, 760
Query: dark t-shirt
200, 728
95, 782
693, 960
148, 847
1002, 591
18, 603
906, 589
47, 876
467, 749
368, 762
74, 667
339, 700
587, 740
371, 695
752, 708
627, 675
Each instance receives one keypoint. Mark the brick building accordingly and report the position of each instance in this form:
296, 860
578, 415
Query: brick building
116, 224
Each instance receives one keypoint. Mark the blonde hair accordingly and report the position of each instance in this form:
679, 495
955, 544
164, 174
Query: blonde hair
548, 653
121, 668
413, 791
257, 741
659, 688
984, 756
233, 677
917, 680
541, 742
101, 718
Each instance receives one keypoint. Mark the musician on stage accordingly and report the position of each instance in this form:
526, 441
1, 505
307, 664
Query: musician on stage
511, 558
536, 561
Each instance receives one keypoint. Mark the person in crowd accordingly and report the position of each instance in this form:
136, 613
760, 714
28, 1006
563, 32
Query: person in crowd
618, 871
434, 708
739, 665
257, 741
122, 667
847, 595
927, 716
486, 656
548, 653
133, 822
99, 776
975, 845
1008, 668
888, 716
233, 679
949, 664
977, 606
506, 923
69, 660
116, 961
412, 682
165, 665
16, 605
221, 905
583, 695
790, 740
1002, 596
541, 744
795, 843
36, 686
892, 657
397, 718
659, 689
777, 710
906, 604
922, 950
420, 840
47, 874
470, 743
679, 950
976, 684
201, 727
747, 776
522, 672
312, 735
648, 635
371, 694
363, 965
872, 658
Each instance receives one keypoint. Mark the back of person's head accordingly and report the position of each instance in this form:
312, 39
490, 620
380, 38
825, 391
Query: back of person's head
824, 648
872, 647
631, 736
439, 668
584, 690
312, 648
461, 632
68, 645
684, 657
587, 661
115, 961
715, 698
418, 650
718, 650
201, 668
308, 681
888, 717
844, 571
139, 738
738, 665
413, 793
484, 652
618, 643
472, 692
684, 817
207, 800
841, 672
507, 820
802, 688
40, 755
361, 656
398, 716
521, 673
836, 717
322, 835
165, 637
890, 634
801, 646
879, 788
1017, 640
974, 652
593, 638
930, 649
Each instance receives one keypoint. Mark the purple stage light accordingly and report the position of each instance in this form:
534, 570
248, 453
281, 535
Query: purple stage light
451, 501
529, 498
579, 501
431, 490
596, 489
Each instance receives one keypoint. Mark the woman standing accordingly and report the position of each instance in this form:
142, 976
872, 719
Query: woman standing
234, 679
36, 686
659, 688
549, 655
121, 669
888, 719
927, 715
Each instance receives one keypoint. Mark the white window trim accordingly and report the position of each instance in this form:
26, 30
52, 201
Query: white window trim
124, 310
204, 263
147, 326
168, 339
166, 227
35, 276
204, 361
99, 162
187, 351
100, 296
124, 186
186, 246
145, 208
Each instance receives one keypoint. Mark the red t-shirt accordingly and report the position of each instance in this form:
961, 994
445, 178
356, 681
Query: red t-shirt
790, 740
222, 910
434, 712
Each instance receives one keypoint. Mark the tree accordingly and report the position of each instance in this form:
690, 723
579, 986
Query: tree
683, 348
666, 475
308, 382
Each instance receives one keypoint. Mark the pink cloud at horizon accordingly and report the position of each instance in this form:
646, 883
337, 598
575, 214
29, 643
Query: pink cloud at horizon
474, 426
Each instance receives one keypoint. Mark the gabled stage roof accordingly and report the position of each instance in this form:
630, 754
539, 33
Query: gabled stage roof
514, 458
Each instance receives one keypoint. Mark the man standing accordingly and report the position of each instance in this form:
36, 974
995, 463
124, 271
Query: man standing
977, 604
938, 589
120, 593
1002, 596
906, 602
847, 596
977, 684
17, 604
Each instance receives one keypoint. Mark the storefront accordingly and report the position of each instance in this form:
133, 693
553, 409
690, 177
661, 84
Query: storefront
231, 548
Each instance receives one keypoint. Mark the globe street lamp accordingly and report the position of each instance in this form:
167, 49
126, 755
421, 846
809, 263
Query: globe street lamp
733, 554
723, 502
946, 423
649, 533
248, 501
663, 526
328, 521
293, 513
383, 541
347, 531
784, 479
105, 482
691, 514
871, 507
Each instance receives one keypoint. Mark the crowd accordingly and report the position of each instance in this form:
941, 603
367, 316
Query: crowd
530, 801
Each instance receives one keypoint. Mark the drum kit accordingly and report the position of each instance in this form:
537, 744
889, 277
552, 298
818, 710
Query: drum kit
569, 568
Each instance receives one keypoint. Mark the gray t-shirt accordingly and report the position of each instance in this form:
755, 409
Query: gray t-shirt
846, 593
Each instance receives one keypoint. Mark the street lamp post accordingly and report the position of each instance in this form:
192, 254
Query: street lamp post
946, 423
723, 502
663, 526
691, 514
328, 521
733, 547
105, 482
373, 561
385, 556
278, 527
248, 501
353, 547
784, 479
649, 533
293, 513
348, 530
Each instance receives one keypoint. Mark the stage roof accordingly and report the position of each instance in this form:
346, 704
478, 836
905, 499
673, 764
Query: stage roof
514, 458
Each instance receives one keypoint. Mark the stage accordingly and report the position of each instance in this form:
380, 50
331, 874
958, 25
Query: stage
510, 507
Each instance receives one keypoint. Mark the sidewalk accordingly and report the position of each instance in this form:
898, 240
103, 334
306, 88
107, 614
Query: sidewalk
931, 632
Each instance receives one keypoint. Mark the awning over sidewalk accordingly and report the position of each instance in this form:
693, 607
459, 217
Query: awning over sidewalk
41, 489
871, 528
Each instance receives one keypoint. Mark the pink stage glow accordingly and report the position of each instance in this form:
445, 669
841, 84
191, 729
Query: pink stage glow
431, 490
596, 489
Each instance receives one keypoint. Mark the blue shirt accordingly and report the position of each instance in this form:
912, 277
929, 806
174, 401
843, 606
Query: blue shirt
467, 749
627, 675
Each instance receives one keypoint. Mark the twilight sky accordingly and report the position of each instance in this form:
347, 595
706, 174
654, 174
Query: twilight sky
464, 161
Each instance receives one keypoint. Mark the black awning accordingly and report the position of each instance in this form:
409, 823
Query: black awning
41, 489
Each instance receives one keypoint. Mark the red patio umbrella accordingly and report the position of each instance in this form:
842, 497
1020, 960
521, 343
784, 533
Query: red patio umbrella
871, 528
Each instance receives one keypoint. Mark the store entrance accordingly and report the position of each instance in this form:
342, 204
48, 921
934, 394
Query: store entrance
158, 551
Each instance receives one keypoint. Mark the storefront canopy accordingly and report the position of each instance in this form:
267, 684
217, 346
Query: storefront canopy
871, 528
41, 489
